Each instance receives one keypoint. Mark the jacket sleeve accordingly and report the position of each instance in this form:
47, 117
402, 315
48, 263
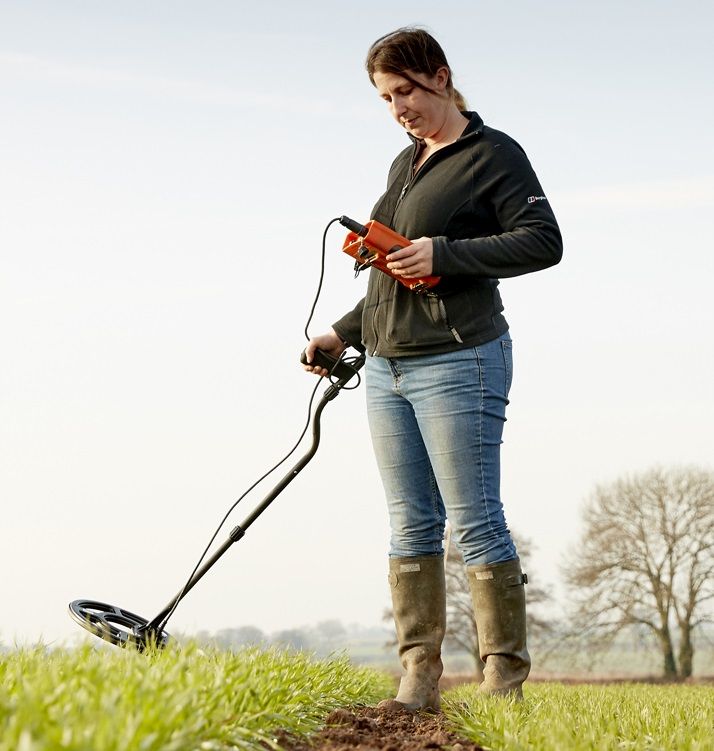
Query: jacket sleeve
349, 327
530, 239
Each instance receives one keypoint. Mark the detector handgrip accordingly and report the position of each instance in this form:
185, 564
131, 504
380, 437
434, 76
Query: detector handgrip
321, 359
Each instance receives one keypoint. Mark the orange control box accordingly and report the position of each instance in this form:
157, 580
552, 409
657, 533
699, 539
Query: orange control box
372, 249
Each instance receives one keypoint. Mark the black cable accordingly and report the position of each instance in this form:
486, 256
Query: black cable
322, 275
347, 361
163, 623
341, 358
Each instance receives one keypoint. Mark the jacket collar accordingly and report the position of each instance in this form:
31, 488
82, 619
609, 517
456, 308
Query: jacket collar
475, 123
475, 126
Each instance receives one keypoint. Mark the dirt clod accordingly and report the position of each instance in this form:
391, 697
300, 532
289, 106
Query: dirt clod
380, 729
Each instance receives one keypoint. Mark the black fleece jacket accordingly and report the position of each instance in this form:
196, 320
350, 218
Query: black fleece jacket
482, 204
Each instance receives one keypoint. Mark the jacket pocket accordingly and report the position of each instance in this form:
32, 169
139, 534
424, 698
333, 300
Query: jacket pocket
443, 318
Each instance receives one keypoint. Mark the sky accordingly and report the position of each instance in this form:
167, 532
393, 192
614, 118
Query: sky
166, 173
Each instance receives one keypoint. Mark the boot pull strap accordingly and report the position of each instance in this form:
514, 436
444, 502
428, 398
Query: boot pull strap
515, 580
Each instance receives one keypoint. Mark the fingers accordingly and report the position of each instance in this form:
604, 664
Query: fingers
310, 350
317, 371
330, 343
402, 253
413, 261
312, 345
309, 353
410, 266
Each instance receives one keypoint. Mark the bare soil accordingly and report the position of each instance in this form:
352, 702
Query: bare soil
378, 729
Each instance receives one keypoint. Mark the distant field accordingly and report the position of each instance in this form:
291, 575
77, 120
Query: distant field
624, 659
194, 699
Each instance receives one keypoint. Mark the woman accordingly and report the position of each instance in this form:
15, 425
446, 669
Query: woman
439, 365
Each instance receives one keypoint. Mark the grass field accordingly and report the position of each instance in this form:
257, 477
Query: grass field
553, 716
178, 700
204, 700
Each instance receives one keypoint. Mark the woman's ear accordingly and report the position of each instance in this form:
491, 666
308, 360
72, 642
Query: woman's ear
441, 78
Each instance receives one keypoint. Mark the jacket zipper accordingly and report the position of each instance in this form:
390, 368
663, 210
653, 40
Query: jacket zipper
442, 310
410, 178
407, 183
405, 188
442, 307
374, 318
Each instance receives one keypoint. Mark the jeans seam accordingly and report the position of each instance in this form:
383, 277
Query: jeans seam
480, 439
435, 502
507, 370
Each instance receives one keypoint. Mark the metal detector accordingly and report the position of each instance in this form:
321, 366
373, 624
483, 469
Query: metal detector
124, 628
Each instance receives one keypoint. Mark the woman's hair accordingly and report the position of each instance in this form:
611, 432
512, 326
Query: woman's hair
411, 49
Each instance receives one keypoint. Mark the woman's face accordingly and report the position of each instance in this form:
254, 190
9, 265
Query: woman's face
421, 112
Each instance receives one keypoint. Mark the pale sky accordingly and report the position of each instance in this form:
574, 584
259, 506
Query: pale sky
166, 172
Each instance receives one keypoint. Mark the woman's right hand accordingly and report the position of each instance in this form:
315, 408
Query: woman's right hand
330, 343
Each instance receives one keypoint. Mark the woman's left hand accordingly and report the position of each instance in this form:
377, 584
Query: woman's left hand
416, 260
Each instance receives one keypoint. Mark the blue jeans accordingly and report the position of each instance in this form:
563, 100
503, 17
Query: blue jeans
436, 423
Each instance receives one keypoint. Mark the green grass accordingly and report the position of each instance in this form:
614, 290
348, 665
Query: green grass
176, 700
626, 717
194, 699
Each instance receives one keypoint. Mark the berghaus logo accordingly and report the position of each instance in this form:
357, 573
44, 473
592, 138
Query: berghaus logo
533, 199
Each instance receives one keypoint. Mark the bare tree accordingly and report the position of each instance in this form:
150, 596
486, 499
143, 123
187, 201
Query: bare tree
461, 629
292, 638
646, 558
231, 638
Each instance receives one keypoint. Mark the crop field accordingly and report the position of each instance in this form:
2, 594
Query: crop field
194, 699
177, 700
554, 716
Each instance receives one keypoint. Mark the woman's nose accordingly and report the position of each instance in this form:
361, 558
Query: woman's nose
398, 106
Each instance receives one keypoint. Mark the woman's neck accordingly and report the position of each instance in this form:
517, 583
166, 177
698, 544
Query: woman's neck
454, 125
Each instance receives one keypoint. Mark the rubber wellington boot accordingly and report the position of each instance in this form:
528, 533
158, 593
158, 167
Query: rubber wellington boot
419, 606
499, 601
